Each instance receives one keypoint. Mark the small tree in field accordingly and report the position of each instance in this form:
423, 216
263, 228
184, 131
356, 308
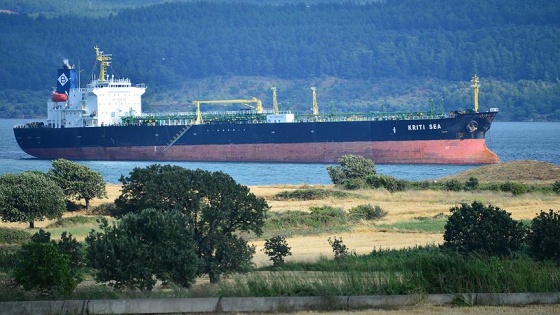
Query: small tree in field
276, 248
28, 197
482, 229
78, 181
543, 237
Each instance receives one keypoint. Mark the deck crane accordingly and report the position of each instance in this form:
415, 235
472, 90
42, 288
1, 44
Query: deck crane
315, 105
274, 101
258, 107
475, 87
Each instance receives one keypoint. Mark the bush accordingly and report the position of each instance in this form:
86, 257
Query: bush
310, 194
453, 185
544, 236
43, 268
390, 183
13, 236
340, 250
515, 188
276, 248
556, 187
471, 184
351, 167
366, 212
482, 229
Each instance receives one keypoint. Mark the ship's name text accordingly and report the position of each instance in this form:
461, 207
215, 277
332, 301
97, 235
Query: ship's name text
424, 127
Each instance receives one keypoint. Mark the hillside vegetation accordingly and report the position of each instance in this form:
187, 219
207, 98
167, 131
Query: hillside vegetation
393, 55
524, 171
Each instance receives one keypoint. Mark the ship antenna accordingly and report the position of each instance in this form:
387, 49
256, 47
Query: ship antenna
274, 101
475, 87
103, 62
315, 105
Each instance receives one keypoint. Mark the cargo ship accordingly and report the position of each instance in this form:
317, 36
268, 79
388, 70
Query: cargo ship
104, 121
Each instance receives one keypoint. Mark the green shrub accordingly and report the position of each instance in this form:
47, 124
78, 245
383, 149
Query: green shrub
355, 183
13, 236
340, 250
351, 167
453, 185
43, 268
556, 187
366, 212
486, 230
310, 194
543, 237
390, 183
515, 188
276, 248
471, 184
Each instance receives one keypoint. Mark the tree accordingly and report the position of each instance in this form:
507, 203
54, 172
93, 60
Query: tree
44, 266
351, 168
482, 229
28, 196
543, 237
78, 181
276, 248
217, 207
142, 248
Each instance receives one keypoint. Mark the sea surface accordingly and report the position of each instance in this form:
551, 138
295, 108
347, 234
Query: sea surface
510, 140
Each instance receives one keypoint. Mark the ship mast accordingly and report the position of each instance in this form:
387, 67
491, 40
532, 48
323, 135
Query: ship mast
274, 101
475, 87
315, 105
103, 62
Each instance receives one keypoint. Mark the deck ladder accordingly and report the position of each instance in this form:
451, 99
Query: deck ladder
177, 137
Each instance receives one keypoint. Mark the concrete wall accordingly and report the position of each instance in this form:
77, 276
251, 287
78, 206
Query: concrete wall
269, 304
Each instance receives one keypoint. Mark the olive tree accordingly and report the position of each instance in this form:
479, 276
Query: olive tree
142, 248
543, 237
217, 208
78, 181
28, 197
486, 230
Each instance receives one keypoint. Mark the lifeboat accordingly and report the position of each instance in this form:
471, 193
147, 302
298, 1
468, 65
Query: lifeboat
59, 97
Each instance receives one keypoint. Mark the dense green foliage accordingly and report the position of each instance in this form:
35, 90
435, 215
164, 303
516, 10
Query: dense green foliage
276, 248
351, 171
142, 248
78, 181
48, 267
13, 236
28, 196
216, 206
543, 237
481, 229
366, 212
359, 55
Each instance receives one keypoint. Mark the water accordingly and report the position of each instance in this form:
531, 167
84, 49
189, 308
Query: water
510, 140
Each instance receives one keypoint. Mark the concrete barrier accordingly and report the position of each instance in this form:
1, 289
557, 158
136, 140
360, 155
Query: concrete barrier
269, 304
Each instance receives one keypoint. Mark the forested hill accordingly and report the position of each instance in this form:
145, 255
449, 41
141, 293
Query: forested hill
393, 53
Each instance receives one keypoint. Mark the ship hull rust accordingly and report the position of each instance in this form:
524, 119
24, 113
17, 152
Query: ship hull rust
459, 152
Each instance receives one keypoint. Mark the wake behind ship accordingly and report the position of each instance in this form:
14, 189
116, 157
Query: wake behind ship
104, 121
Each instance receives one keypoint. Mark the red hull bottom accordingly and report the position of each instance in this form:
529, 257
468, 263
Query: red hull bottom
469, 151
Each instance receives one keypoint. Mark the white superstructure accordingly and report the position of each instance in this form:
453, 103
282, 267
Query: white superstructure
101, 103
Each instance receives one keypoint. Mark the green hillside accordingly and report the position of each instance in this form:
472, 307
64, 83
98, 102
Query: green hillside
395, 54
